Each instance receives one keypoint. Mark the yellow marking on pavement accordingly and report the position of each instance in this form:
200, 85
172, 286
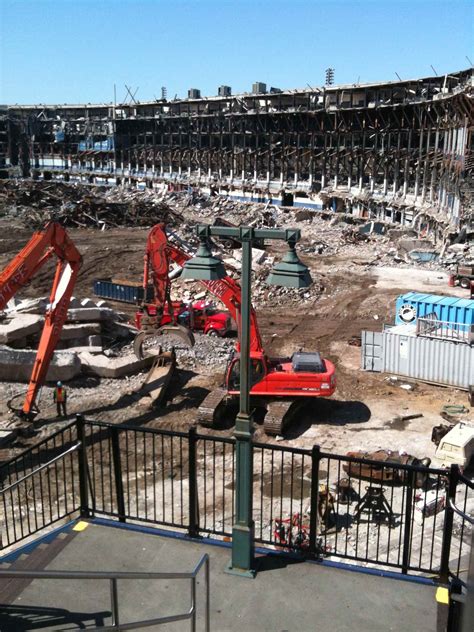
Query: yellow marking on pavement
442, 595
80, 526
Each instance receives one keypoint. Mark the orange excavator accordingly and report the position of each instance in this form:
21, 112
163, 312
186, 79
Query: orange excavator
52, 240
276, 383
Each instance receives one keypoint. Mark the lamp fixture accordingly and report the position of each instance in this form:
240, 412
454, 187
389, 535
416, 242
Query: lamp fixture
204, 266
290, 271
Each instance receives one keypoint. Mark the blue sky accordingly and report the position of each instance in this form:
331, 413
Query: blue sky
74, 51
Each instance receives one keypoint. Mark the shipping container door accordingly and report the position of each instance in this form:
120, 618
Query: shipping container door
372, 351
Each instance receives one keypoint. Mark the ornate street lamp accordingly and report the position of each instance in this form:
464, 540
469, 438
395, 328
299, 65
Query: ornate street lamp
290, 272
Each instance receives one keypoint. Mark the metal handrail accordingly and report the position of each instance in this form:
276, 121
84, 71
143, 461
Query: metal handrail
461, 513
40, 468
114, 576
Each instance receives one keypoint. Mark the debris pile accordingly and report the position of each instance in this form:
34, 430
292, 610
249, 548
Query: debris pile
208, 353
91, 330
78, 205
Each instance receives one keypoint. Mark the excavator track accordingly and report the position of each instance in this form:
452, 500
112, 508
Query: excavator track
207, 410
275, 422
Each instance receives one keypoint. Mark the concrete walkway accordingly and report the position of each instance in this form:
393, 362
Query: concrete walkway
285, 596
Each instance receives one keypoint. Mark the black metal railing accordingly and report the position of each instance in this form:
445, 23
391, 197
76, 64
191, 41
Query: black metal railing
387, 514
40, 487
114, 576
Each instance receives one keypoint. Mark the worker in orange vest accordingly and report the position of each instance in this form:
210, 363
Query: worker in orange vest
60, 397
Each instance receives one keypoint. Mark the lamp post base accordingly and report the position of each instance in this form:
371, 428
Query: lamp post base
240, 572
243, 557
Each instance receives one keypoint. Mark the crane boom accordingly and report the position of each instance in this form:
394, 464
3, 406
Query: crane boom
52, 240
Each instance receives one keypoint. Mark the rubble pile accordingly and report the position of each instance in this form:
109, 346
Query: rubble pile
208, 353
78, 205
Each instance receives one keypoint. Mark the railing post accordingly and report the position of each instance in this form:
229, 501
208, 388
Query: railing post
83, 467
408, 519
193, 530
114, 603
313, 522
193, 604
448, 524
118, 473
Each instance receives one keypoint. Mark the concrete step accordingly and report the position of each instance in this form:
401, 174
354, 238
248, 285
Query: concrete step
38, 559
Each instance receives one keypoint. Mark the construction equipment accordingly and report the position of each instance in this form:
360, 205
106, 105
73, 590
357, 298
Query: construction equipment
166, 316
463, 276
276, 383
52, 240
457, 446
154, 389
385, 468
375, 504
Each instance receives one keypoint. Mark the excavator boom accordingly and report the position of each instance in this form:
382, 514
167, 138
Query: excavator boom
53, 240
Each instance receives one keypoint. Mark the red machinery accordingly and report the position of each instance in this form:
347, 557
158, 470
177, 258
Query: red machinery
164, 315
275, 382
53, 240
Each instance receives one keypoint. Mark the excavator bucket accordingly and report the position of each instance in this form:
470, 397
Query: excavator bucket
180, 331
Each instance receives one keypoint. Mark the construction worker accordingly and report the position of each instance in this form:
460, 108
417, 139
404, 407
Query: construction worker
60, 397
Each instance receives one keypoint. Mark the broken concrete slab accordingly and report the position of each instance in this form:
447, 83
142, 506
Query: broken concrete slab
88, 314
74, 303
95, 350
87, 302
103, 366
79, 330
30, 306
258, 256
16, 365
20, 326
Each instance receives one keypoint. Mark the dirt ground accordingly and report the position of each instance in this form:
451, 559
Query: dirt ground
365, 410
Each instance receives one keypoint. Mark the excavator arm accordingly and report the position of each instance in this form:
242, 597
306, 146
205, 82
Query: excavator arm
53, 240
156, 269
159, 253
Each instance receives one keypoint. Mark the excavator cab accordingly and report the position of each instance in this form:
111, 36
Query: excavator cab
257, 372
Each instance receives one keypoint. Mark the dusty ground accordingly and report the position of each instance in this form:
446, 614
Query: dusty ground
356, 294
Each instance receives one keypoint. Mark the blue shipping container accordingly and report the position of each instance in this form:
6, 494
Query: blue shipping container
448, 309
122, 292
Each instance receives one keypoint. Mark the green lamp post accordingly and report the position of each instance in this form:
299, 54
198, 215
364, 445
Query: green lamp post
290, 272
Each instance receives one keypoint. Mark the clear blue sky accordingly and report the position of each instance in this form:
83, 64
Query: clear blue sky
74, 51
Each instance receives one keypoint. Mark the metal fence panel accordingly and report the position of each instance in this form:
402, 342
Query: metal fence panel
39, 487
380, 514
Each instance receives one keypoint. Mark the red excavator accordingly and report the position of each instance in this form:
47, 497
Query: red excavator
166, 316
276, 383
52, 240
